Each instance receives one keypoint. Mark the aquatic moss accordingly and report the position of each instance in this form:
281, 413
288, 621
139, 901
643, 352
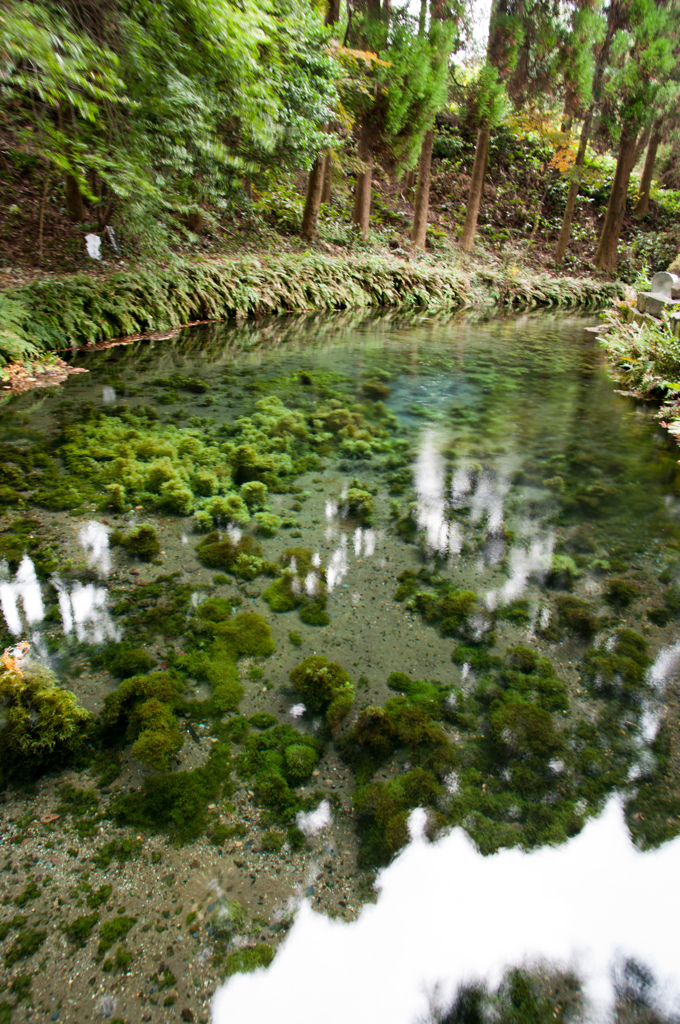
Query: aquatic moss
254, 493
325, 688
113, 931
251, 958
141, 542
44, 725
79, 929
619, 667
221, 551
142, 711
382, 811
176, 803
247, 636
577, 615
27, 942
126, 661
300, 760
301, 585
620, 593
267, 524
360, 506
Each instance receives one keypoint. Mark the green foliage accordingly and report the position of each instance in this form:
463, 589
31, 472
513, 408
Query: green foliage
14, 341
360, 506
129, 661
576, 615
618, 668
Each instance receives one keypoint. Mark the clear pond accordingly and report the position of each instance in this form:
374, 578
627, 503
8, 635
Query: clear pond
302, 577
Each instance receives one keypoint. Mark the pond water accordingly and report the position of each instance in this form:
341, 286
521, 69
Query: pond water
305, 577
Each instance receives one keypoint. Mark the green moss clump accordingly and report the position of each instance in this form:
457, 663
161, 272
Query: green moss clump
113, 931
376, 390
360, 506
129, 661
262, 720
313, 614
215, 609
205, 483
620, 593
267, 524
44, 725
141, 542
300, 761
26, 944
254, 493
252, 958
100, 896
302, 585
176, 802
525, 732
563, 573
295, 639
618, 669
577, 616
280, 596
382, 811
247, 636
142, 711
221, 551
78, 931
325, 688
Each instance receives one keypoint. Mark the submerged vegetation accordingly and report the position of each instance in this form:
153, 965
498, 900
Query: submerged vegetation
317, 600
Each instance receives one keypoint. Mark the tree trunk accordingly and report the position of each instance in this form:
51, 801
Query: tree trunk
362, 192
565, 231
419, 231
647, 174
606, 259
74, 199
327, 177
409, 180
476, 189
332, 12
310, 216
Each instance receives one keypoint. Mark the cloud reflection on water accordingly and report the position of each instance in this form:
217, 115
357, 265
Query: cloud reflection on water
25, 588
586, 905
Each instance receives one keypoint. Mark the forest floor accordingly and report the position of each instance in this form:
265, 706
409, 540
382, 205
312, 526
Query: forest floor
518, 227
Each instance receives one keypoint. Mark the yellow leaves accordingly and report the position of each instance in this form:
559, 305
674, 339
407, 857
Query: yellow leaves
13, 656
356, 57
563, 159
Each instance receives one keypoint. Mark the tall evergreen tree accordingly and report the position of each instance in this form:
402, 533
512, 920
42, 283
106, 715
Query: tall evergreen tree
527, 40
638, 84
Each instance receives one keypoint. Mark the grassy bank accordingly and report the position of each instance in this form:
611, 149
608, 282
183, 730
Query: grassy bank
73, 310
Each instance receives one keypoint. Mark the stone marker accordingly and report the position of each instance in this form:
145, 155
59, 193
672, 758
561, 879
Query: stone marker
663, 294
